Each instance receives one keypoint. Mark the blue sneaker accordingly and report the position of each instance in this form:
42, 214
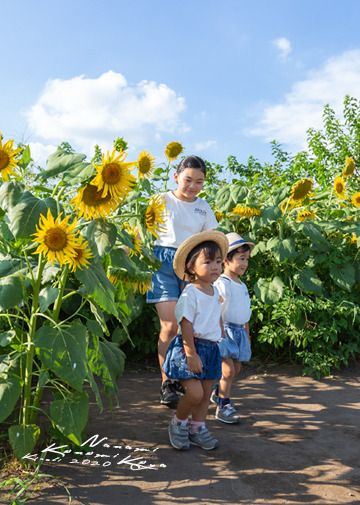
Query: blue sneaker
179, 436
202, 438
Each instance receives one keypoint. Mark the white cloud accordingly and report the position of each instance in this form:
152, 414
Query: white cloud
283, 45
40, 152
85, 112
303, 107
203, 146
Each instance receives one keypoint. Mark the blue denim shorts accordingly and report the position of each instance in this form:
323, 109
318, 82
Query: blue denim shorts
175, 364
166, 285
236, 345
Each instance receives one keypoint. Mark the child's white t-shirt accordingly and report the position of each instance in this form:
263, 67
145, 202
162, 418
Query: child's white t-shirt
202, 310
236, 305
184, 219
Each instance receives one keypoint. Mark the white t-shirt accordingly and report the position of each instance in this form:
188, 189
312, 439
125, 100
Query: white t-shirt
236, 305
184, 219
202, 310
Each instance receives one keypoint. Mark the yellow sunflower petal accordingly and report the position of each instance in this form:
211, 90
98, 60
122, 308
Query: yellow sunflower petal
340, 187
156, 215
145, 164
173, 150
8, 159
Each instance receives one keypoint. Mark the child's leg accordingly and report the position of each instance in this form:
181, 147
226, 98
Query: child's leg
199, 412
228, 374
193, 397
199, 434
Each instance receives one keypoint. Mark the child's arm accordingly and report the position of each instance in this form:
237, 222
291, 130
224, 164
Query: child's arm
193, 359
247, 328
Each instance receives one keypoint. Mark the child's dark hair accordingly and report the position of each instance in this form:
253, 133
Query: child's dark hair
242, 249
209, 248
191, 162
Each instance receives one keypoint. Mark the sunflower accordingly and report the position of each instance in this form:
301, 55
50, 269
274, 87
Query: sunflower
57, 238
113, 176
355, 200
173, 150
219, 216
145, 164
91, 204
155, 215
246, 211
300, 190
353, 239
140, 282
304, 215
339, 187
349, 167
83, 253
7, 159
134, 233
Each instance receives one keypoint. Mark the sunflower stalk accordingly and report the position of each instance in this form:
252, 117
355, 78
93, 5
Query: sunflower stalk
59, 300
26, 416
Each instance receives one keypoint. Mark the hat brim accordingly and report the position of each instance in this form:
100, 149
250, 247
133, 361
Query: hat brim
188, 245
240, 244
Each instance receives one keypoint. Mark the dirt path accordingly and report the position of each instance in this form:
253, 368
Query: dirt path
299, 442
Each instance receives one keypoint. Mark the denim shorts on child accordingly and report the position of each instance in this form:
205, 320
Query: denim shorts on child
166, 285
175, 364
236, 344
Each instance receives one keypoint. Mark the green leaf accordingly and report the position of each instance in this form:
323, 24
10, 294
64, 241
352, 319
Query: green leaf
308, 281
23, 438
10, 390
64, 352
25, 157
260, 247
313, 232
107, 361
78, 173
282, 249
47, 297
343, 276
268, 216
95, 328
269, 292
6, 337
98, 286
239, 192
59, 162
223, 199
70, 415
26, 214
10, 194
280, 194
101, 235
11, 292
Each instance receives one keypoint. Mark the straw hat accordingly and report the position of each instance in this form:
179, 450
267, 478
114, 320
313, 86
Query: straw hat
236, 241
188, 245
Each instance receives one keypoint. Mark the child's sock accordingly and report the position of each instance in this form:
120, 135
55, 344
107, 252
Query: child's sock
223, 402
175, 420
194, 425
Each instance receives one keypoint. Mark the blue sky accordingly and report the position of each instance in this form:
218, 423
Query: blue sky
223, 78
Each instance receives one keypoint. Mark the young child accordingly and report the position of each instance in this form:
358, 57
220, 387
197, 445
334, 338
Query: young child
187, 215
236, 312
193, 356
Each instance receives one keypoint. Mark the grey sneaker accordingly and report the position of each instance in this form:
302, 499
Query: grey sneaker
179, 436
227, 414
202, 438
214, 398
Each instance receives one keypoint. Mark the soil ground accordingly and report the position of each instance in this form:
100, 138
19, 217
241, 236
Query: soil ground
299, 442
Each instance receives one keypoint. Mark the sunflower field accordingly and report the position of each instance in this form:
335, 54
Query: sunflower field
76, 260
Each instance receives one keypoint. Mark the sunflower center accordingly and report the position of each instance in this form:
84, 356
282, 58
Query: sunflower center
79, 254
92, 196
111, 173
151, 217
144, 165
55, 239
339, 187
4, 159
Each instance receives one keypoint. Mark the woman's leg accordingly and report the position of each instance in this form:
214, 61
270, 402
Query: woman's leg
168, 330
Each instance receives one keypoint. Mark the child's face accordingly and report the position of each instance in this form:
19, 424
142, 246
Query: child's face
238, 263
190, 182
207, 270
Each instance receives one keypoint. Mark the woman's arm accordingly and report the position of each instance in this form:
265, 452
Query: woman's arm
193, 359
